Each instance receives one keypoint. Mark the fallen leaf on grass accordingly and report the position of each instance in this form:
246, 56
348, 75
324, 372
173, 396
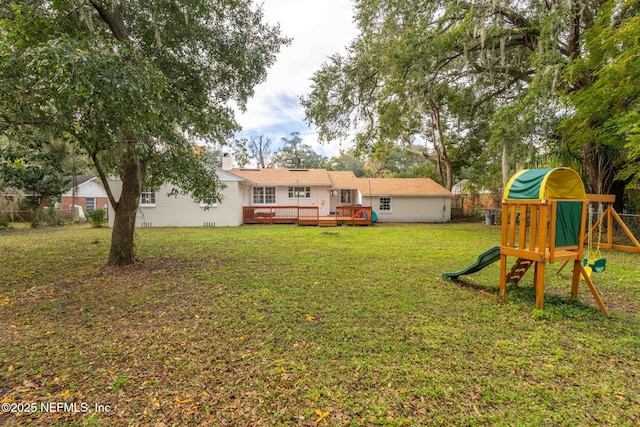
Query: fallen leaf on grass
321, 415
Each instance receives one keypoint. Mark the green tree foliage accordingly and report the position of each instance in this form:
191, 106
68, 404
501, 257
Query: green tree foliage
37, 172
132, 84
603, 91
348, 160
240, 152
296, 154
477, 83
411, 79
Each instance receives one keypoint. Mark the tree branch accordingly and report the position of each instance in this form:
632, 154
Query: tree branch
422, 153
112, 16
530, 36
103, 179
5, 122
495, 93
515, 74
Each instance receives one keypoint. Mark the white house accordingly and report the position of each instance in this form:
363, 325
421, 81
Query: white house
288, 195
159, 209
406, 199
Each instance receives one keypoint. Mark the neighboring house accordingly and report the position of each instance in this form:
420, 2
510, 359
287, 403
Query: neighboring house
90, 194
286, 195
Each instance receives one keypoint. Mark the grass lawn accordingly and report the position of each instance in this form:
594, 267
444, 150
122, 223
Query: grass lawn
285, 325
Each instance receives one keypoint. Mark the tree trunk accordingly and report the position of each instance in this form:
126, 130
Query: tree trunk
122, 237
440, 147
505, 164
618, 189
592, 167
448, 170
601, 170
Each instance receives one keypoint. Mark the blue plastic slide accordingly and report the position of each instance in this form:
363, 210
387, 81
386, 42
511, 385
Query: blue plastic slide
484, 259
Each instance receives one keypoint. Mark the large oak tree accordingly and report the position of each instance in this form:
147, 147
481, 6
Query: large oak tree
469, 75
132, 84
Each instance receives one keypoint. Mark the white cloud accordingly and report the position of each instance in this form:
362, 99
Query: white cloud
319, 29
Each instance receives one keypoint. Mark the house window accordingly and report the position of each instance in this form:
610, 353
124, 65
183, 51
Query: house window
90, 203
299, 192
270, 195
264, 195
148, 198
345, 196
208, 203
385, 204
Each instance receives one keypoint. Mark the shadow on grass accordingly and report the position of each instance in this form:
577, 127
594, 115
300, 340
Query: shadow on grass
556, 306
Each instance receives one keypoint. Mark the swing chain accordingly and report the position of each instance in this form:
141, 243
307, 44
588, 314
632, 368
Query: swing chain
598, 254
590, 231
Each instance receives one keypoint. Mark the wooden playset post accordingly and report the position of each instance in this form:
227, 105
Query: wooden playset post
610, 214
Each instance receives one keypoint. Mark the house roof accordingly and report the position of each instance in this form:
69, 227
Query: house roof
226, 176
319, 177
81, 180
345, 180
401, 187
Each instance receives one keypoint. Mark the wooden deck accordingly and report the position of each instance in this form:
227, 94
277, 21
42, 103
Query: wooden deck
306, 215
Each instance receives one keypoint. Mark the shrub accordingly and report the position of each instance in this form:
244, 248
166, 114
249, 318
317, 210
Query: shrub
44, 216
4, 223
97, 217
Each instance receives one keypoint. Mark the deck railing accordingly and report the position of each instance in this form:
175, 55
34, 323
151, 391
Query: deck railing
279, 214
354, 215
305, 215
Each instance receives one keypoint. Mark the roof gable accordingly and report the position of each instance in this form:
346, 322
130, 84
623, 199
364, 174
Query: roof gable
345, 180
80, 179
227, 176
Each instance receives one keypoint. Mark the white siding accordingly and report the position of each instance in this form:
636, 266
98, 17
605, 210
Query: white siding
412, 208
183, 211
91, 188
320, 196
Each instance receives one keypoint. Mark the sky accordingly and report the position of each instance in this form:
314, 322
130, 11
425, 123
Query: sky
319, 29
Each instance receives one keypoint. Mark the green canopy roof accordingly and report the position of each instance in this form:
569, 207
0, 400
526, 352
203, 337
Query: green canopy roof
552, 183
548, 183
